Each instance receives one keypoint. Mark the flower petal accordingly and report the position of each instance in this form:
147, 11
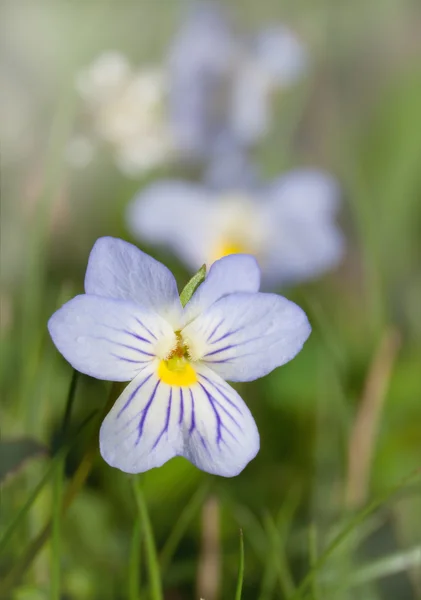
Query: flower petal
281, 54
117, 269
206, 422
200, 59
229, 166
244, 336
175, 214
233, 273
303, 238
109, 339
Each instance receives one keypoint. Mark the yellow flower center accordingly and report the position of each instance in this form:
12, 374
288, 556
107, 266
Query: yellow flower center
227, 247
176, 369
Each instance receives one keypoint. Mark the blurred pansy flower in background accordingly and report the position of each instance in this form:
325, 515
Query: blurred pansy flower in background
221, 81
130, 325
214, 85
288, 224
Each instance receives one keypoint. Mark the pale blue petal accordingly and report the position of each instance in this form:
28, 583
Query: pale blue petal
229, 166
303, 239
250, 104
117, 269
305, 192
106, 338
244, 336
276, 59
177, 215
207, 423
281, 54
233, 273
200, 59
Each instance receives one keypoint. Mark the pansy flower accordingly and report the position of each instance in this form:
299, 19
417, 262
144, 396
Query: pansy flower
289, 224
130, 325
221, 81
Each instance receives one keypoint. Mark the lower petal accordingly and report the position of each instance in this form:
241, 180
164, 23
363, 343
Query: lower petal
206, 422
223, 437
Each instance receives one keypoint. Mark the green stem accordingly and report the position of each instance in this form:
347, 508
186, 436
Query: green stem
240, 569
56, 532
58, 482
69, 403
134, 563
183, 521
152, 559
312, 547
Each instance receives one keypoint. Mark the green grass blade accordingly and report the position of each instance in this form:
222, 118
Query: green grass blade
69, 403
151, 555
134, 562
72, 491
354, 522
313, 552
56, 460
58, 481
55, 550
240, 569
386, 566
181, 525
277, 560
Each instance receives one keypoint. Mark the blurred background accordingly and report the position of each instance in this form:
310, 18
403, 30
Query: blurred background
340, 425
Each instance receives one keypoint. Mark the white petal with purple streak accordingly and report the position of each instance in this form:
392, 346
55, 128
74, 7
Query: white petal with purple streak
206, 422
109, 339
244, 336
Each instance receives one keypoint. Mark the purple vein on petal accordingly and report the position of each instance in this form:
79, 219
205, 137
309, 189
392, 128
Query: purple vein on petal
234, 346
220, 350
145, 328
221, 361
133, 394
131, 333
222, 407
122, 345
215, 330
181, 406
228, 334
129, 360
218, 389
193, 421
138, 337
167, 421
216, 413
145, 413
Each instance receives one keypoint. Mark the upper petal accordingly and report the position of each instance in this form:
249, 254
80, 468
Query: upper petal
207, 423
281, 54
305, 193
299, 216
109, 339
200, 58
117, 269
175, 214
233, 273
244, 336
